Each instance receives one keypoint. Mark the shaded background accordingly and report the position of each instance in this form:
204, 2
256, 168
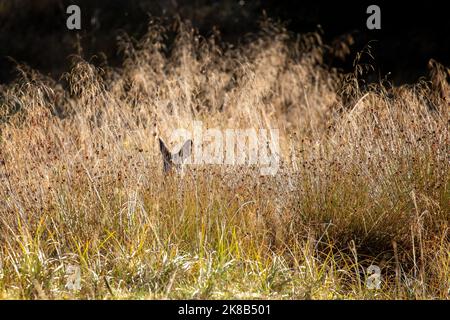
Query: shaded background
35, 33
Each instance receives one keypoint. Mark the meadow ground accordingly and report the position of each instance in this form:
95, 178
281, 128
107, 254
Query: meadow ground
363, 178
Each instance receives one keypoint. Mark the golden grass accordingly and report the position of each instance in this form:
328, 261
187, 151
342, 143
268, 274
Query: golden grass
364, 178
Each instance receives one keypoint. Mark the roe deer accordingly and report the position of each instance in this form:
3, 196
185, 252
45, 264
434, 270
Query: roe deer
175, 160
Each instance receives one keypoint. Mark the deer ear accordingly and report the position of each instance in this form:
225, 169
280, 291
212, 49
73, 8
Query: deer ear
167, 157
184, 153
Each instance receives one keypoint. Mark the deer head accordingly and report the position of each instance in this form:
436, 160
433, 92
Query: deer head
175, 160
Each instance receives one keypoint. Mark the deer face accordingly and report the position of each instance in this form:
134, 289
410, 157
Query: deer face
175, 160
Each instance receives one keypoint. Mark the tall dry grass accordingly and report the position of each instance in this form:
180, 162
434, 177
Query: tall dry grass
364, 177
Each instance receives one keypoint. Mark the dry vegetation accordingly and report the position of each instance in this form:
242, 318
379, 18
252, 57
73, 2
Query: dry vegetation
364, 177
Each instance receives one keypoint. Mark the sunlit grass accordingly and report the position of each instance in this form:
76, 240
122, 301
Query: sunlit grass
362, 182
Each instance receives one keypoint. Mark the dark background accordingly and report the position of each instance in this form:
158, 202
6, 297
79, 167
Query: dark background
34, 31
